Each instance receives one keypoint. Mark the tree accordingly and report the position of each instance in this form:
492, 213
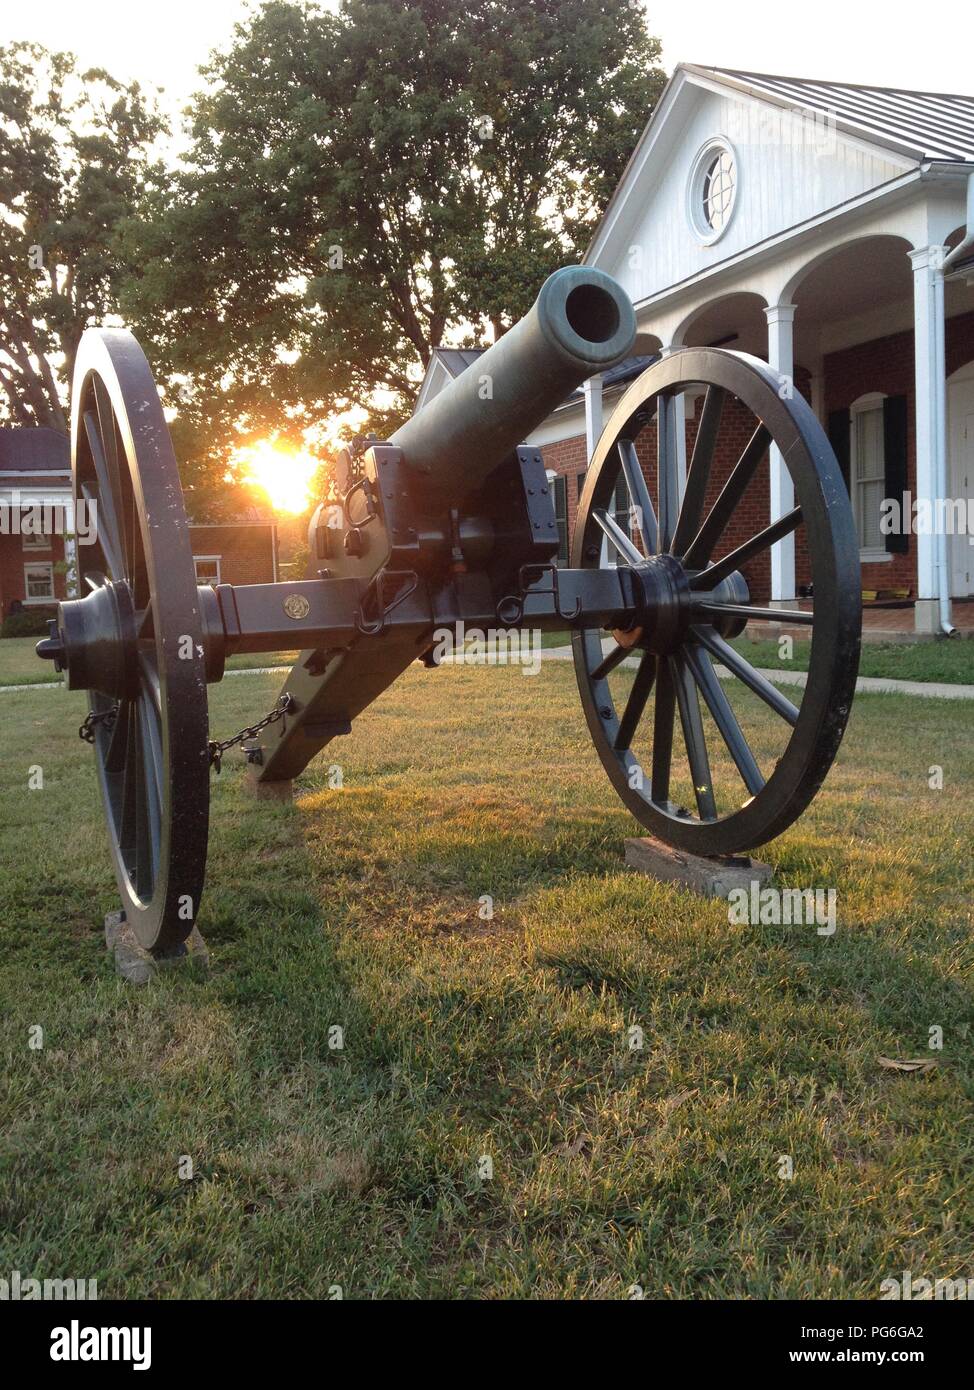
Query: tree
362, 185
73, 151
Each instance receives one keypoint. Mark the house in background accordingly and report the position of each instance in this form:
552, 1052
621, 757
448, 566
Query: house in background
35, 470
809, 224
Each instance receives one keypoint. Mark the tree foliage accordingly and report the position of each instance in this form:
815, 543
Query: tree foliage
73, 153
361, 185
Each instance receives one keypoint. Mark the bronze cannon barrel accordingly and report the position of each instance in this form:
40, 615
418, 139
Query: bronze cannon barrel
581, 323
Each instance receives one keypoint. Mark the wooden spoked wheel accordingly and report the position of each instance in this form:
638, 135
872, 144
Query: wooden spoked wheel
133, 639
656, 730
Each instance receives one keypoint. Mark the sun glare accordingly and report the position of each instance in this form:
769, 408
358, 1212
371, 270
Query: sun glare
284, 474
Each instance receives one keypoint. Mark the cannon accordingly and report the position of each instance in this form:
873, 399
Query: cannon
451, 522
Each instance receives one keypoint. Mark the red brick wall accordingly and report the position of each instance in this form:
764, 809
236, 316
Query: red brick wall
13, 557
887, 365
737, 426
246, 551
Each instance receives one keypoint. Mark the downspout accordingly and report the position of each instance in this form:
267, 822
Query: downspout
953, 264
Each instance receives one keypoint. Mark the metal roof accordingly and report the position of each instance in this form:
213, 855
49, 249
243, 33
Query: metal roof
928, 125
457, 360
34, 449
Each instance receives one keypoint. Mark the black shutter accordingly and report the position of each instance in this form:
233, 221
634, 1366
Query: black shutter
839, 423
894, 462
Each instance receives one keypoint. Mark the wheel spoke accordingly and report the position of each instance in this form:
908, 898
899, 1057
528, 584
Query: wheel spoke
639, 493
745, 672
710, 578
791, 617
128, 827
610, 662
701, 547
693, 737
667, 479
663, 734
108, 434
724, 717
150, 748
107, 523
618, 538
149, 676
636, 703
698, 474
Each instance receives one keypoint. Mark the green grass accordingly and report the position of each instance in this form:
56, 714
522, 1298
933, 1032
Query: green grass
951, 661
19, 664
504, 1038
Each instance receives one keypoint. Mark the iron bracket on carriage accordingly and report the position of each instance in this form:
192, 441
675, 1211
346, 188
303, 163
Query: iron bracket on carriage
450, 525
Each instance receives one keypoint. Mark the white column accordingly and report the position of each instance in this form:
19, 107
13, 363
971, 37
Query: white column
680, 429
931, 406
71, 548
592, 391
781, 359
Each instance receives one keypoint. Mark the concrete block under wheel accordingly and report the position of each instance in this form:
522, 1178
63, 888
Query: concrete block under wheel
138, 966
711, 878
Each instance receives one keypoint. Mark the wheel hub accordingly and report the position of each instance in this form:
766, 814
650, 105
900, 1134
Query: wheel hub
666, 605
93, 639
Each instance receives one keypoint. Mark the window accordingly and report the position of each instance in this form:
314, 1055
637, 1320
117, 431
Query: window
39, 583
712, 190
31, 541
868, 474
207, 569
718, 191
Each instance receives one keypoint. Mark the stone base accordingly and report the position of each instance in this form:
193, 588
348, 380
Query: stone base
137, 965
926, 616
268, 791
711, 878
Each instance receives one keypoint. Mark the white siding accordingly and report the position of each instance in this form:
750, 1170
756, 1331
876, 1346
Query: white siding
781, 183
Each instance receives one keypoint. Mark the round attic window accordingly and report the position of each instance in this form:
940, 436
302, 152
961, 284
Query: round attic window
712, 190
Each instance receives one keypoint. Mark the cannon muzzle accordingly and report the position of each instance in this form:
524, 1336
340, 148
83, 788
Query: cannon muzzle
581, 323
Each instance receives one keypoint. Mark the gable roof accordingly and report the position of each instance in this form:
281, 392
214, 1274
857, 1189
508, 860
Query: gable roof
34, 449
925, 125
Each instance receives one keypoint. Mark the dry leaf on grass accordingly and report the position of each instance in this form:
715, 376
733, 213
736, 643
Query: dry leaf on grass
912, 1064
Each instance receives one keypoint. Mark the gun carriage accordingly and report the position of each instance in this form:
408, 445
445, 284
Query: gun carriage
451, 522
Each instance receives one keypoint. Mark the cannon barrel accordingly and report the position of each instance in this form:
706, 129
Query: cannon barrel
581, 323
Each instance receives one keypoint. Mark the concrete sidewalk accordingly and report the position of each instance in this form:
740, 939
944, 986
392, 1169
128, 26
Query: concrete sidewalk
866, 685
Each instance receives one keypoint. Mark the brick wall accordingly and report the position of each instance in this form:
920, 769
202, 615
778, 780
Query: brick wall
884, 365
737, 425
246, 551
887, 365
13, 557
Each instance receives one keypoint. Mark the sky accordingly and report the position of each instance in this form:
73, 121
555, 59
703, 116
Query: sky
884, 44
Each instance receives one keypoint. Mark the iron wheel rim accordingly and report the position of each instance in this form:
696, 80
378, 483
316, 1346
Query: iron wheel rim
152, 759
826, 516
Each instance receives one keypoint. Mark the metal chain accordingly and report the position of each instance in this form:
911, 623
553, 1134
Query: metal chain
93, 719
284, 706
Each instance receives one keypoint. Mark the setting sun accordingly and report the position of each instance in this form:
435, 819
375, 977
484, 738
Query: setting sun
284, 474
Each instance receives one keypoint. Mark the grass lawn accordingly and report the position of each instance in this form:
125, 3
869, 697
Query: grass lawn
951, 661
500, 1046
19, 664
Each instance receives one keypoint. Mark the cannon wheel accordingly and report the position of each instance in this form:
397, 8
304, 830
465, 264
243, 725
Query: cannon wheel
152, 753
762, 790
